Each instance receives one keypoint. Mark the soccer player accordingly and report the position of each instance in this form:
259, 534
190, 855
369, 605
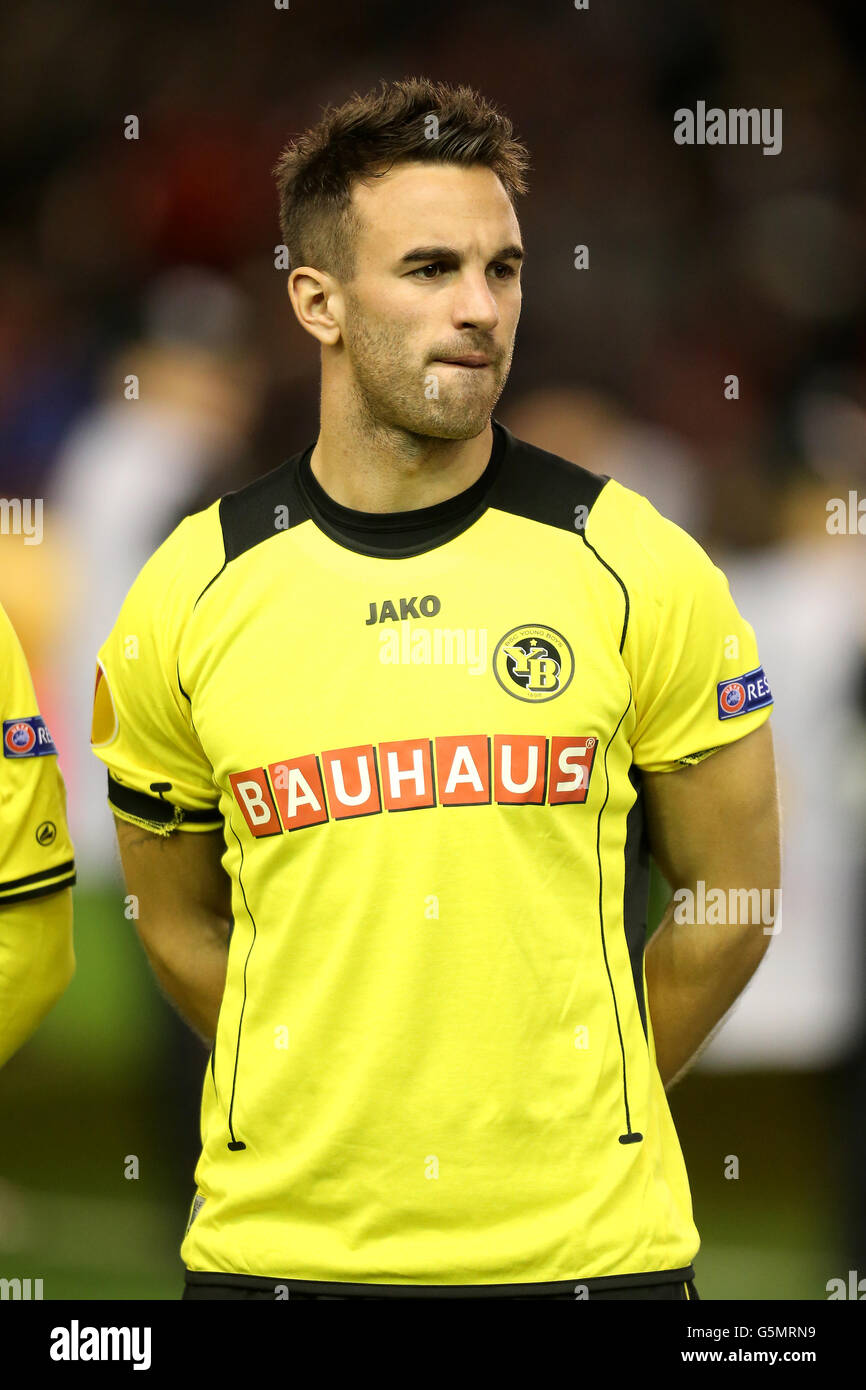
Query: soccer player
37, 868
390, 733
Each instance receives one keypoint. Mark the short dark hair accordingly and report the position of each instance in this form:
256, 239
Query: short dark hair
367, 136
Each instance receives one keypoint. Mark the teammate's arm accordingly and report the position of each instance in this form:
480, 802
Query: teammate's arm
184, 915
37, 962
716, 821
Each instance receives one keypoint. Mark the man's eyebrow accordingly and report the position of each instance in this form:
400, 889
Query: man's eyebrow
447, 253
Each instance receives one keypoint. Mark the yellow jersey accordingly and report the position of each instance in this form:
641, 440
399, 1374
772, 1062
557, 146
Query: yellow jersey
36, 854
422, 735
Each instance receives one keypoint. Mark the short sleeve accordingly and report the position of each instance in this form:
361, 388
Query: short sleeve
158, 774
36, 854
696, 672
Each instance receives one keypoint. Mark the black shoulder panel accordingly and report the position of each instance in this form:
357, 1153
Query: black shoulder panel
547, 488
264, 508
544, 487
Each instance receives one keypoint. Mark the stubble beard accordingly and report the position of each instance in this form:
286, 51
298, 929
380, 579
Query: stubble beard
429, 400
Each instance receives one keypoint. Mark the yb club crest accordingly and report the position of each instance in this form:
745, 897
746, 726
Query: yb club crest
533, 662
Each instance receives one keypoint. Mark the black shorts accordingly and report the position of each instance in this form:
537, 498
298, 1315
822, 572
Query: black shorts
679, 1292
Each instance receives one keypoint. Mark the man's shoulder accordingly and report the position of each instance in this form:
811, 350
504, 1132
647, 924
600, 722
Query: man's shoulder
186, 560
543, 486
17, 684
9, 644
642, 543
201, 546
617, 521
262, 508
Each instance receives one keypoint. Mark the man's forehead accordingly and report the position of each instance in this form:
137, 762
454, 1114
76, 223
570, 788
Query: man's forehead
434, 201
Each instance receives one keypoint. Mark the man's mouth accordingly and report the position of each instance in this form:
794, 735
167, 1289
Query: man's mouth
472, 359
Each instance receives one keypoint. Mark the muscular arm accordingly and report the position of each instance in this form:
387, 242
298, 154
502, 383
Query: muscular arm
184, 915
37, 962
717, 821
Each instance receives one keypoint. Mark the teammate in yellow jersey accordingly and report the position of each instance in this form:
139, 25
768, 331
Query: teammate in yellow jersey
37, 869
390, 734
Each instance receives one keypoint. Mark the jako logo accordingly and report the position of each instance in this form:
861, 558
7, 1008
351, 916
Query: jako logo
101, 1344
365, 780
737, 126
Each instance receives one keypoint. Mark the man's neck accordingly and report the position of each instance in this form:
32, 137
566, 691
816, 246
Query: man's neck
381, 469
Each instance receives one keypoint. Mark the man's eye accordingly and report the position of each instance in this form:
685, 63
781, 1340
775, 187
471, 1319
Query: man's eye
509, 270
434, 265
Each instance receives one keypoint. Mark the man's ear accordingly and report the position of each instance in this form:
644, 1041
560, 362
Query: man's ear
317, 301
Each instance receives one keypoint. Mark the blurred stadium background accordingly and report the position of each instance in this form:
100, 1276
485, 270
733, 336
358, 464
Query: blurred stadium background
155, 256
